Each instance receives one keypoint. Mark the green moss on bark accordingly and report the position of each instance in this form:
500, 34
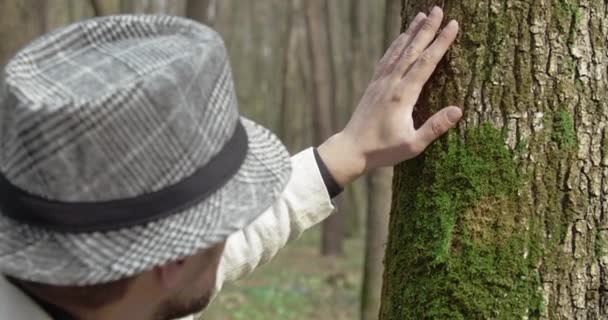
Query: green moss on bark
467, 251
563, 132
568, 16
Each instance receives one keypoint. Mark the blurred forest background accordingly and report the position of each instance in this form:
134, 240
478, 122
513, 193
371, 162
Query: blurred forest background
300, 68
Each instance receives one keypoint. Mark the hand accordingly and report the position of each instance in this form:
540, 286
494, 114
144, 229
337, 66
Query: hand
381, 130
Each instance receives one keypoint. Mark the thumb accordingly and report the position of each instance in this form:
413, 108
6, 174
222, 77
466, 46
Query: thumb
438, 125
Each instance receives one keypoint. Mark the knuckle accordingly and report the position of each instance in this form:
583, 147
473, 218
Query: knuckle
443, 37
393, 57
402, 37
428, 26
414, 147
412, 52
437, 129
398, 43
408, 34
427, 58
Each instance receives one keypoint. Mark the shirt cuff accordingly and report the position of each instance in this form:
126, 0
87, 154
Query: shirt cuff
333, 188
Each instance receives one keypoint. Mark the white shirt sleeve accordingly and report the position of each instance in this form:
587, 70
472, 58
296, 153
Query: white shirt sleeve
304, 203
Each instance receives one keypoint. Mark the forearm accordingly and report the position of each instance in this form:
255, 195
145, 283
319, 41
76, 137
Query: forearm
303, 204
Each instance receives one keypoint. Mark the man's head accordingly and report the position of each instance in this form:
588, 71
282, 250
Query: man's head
187, 284
170, 291
124, 157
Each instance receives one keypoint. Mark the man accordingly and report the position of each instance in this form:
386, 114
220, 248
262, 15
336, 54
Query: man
130, 187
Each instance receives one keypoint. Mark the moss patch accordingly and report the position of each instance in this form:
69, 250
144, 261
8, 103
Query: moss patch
568, 15
563, 132
463, 250
485, 225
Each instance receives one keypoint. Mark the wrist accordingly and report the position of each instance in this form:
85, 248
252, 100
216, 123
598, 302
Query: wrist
342, 158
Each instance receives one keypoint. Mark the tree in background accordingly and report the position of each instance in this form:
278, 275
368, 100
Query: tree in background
22, 21
345, 39
324, 123
204, 11
506, 218
379, 198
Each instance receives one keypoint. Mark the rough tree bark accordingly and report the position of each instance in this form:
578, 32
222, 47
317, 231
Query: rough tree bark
379, 199
332, 233
506, 218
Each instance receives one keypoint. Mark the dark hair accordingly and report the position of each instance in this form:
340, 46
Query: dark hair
89, 297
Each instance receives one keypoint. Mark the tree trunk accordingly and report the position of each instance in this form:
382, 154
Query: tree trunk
379, 189
333, 227
202, 10
173, 7
379, 198
20, 22
506, 218
107, 7
286, 122
23, 21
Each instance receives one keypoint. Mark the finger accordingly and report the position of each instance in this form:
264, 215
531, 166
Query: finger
422, 40
438, 125
386, 64
422, 69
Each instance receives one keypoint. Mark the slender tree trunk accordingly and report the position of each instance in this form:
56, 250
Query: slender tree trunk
321, 70
286, 120
20, 22
332, 230
106, 7
173, 7
23, 21
202, 10
507, 217
379, 192
379, 198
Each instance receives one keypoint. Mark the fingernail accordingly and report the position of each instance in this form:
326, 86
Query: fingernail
454, 114
435, 10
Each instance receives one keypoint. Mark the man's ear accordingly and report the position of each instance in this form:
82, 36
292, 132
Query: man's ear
170, 275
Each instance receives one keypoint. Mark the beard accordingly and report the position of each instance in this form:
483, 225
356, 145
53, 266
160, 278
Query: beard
176, 309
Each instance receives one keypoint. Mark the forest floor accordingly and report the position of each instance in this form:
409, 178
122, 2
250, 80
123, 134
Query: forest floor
297, 284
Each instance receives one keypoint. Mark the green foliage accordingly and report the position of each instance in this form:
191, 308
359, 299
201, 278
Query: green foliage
467, 253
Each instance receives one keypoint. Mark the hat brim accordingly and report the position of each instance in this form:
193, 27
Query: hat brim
35, 254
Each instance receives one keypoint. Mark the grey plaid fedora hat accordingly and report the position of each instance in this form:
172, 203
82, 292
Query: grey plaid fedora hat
121, 149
